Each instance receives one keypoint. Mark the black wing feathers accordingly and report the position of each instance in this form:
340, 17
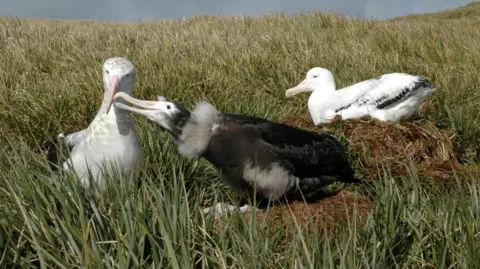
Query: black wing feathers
309, 154
383, 102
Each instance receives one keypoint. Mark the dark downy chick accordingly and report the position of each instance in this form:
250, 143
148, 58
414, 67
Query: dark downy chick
252, 155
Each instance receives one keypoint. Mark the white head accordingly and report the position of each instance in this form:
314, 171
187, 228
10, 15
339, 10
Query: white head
118, 76
317, 78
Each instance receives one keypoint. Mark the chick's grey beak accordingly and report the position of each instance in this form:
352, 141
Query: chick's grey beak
151, 107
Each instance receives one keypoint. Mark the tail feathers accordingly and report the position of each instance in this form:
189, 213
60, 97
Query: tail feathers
56, 151
423, 79
429, 90
353, 180
425, 83
312, 184
312, 189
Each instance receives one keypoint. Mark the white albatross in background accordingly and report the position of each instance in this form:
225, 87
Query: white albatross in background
110, 141
388, 97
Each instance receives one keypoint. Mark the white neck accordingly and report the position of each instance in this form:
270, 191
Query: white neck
115, 114
322, 91
328, 85
319, 100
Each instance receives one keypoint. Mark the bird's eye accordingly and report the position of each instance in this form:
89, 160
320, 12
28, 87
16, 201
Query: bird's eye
107, 71
168, 106
127, 75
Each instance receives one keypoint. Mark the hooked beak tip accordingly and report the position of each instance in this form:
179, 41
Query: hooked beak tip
296, 90
149, 105
109, 105
119, 95
291, 92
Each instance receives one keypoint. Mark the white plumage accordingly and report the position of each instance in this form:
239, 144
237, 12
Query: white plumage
110, 141
389, 97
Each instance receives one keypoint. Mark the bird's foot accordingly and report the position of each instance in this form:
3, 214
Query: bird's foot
222, 208
219, 209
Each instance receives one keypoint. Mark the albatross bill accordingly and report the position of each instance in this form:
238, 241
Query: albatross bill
151, 107
301, 87
112, 90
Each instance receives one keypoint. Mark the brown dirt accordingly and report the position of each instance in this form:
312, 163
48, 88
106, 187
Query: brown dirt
375, 143
326, 214
328, 211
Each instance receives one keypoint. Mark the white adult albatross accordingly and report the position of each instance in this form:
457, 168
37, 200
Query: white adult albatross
388, 97
110, 142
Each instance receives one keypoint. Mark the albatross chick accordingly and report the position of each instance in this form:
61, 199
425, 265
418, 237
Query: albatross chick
253, 156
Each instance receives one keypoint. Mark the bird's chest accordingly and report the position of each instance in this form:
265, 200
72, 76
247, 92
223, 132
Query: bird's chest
321, 106
108, 142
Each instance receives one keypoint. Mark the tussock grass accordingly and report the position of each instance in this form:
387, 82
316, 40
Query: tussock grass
50, 82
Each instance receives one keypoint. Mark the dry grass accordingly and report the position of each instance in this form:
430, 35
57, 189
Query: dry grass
50, 83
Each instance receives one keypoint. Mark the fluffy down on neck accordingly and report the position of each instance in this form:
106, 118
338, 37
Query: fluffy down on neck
198, 130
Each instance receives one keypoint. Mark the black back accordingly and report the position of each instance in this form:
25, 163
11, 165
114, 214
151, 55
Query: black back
304, 153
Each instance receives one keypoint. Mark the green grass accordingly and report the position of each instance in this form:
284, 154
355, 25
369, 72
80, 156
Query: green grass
50, 82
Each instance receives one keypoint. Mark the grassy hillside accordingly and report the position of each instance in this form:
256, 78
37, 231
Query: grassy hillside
50, 82
469, 12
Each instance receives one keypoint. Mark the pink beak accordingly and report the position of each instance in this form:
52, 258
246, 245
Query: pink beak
301, 87
111, 91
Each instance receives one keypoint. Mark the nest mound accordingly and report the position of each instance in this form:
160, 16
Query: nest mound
324, 214
392, 145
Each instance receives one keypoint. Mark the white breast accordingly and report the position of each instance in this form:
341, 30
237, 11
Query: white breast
106, 149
